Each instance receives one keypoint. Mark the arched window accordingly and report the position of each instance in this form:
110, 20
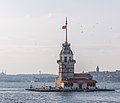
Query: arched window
60, 58
65, 58
69, 58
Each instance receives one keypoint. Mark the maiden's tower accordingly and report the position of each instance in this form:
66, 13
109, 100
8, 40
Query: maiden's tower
67, 79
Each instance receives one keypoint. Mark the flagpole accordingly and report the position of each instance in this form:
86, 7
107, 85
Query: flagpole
66, 29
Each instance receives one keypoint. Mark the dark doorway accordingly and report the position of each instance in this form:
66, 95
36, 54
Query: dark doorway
65, 59
80, 86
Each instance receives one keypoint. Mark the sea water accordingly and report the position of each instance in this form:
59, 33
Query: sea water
14, 92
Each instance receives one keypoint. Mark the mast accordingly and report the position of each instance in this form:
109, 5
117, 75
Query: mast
66, 30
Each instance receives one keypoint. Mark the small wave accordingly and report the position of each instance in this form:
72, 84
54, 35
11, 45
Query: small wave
11, 90
118, 91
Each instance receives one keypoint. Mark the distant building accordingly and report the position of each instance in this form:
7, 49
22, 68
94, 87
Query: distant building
97, 69
106, 76
27, 78
67, 79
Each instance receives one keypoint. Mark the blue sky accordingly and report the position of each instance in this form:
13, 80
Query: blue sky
31, 34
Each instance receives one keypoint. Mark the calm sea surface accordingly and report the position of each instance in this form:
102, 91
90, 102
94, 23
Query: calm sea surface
14, 92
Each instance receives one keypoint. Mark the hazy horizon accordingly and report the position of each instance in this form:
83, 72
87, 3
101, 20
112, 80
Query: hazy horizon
31, 36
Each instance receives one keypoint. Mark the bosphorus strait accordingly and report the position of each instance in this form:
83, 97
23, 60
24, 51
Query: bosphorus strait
14, 92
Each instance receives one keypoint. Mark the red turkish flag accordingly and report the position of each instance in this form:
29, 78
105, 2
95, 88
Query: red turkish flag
64, 27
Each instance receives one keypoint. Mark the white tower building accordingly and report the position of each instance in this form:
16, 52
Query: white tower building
66, 62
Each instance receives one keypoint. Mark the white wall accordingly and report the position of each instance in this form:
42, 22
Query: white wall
62, 85
75, 85
91, 87
84, 85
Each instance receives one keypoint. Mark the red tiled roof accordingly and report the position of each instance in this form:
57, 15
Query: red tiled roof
90, 81
82, 75
77, 81
72, 81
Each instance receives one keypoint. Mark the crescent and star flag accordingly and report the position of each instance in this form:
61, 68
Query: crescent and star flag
64, 27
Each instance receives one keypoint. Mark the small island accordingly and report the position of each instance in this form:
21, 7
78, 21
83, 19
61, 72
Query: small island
67, 80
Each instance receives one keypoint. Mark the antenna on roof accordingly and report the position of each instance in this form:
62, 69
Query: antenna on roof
65, 27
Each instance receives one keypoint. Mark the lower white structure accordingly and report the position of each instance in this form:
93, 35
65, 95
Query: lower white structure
84, 81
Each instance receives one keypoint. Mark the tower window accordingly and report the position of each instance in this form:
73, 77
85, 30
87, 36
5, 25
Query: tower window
60, 58
69, 58
65, 58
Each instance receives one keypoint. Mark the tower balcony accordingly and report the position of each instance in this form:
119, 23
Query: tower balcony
58, 61
67, 62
